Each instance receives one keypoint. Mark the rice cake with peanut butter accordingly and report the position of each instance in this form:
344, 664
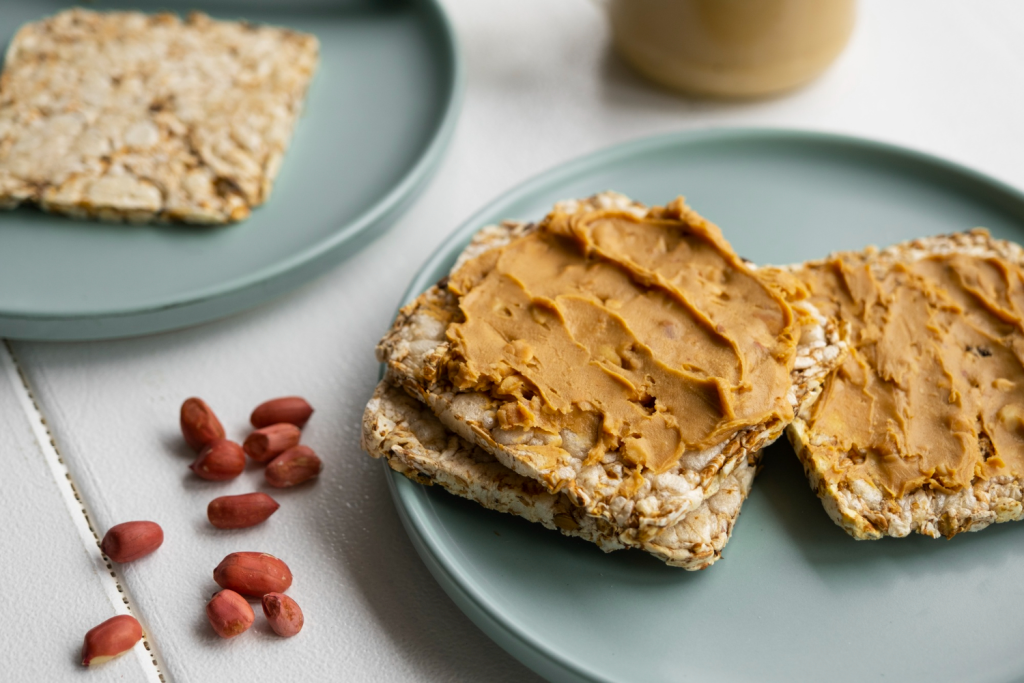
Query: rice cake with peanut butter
125, 116
633, 370
921, 429
409, 436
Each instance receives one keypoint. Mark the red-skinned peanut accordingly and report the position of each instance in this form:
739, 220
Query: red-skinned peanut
199, 425
253, 574
291, 409
220, 461
113, 637
265, 444
131, 540
229, 614
240, 512
294, 466
283, 614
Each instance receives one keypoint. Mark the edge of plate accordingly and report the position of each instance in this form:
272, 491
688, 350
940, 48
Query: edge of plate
250, 291
410, 499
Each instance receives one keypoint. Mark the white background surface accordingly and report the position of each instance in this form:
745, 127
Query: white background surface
542, 88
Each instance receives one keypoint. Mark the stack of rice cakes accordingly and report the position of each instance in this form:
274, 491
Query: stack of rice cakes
646, 463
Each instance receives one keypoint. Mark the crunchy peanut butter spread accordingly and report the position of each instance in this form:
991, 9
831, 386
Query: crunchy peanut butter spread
931, 394
646, 336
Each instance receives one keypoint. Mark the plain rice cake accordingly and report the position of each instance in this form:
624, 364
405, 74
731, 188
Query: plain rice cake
125, 116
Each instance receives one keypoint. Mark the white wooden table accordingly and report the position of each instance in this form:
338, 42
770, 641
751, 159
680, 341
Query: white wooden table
944, 76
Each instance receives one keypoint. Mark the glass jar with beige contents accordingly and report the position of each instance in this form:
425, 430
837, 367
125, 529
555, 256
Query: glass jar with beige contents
731, 48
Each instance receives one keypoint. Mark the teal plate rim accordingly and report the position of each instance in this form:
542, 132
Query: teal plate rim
410, 498
274, 280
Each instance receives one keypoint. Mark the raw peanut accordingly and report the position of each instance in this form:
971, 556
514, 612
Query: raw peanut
254, 574
220, 460
290, 409
283, 614
113, 637
199, 425
292, 467
229, 614
239, 512
266, 443
131, 540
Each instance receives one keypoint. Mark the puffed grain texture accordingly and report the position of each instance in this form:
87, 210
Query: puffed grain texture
415, 443
124, 116
860, 507
415, 348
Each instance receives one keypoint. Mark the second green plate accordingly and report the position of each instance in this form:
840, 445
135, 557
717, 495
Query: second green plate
794, 598
378, 116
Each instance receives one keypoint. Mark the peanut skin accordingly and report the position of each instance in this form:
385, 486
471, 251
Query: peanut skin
253, 574
131, 540
219, 461
265, 444
229, 614
199, 425
291, 409
113, 637
240, 512
294, 466
283, 614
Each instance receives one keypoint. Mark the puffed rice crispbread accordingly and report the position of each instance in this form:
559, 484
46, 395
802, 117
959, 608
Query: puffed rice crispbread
416, 348
409, 436
977, 480
125, 116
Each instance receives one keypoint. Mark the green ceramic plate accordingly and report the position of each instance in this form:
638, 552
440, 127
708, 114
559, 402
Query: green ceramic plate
794, 598
378, 117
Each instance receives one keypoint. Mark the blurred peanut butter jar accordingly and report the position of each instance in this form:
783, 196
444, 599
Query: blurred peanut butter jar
731, 48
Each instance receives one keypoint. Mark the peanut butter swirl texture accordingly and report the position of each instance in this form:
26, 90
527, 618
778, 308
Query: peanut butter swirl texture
645, 336
931, 395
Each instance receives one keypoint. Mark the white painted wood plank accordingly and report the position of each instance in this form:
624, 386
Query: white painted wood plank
58, 586
372, 611
543, 87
